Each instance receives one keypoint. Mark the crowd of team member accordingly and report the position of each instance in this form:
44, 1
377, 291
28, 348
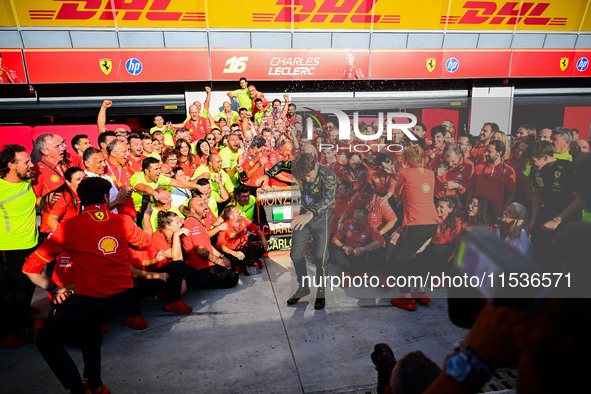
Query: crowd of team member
179, 206
405, 210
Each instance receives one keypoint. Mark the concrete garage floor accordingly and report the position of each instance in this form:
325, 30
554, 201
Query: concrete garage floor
247, 339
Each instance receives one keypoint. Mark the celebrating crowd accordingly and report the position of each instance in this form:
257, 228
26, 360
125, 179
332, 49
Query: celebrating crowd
173, 208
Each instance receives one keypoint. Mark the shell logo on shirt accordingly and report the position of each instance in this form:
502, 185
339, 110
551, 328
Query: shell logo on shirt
108, 245
54, 178
426, 188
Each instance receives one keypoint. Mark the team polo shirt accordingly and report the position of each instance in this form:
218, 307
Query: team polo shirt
62, 273
378, 213
198, 238
494, 182
140, 178
47, 177
137, 255
338, 209
415, 185
258, 118
556, 183
352, 71
64, 208
159, 242
243, 96
477, 153
383, 182
230, 161
275, 157
462, 174
355, 237
226, 180
17, 214
222, 114
74, 161
199, 130
134, 164
96, 241
250, 161
236, 238
249, 209
444, 235
190, 167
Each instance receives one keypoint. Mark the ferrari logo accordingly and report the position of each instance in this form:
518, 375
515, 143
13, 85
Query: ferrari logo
100, 215
563, 63
431, 64
106, 66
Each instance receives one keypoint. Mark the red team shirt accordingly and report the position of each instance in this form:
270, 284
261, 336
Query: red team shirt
199, 130
96, 241
64, 208
444, 235
47, 177
353, 237
198, 238
251, 160
494, 182
477, 153
461, 174
415, 185
377, 212
237, 238
134, 165
382, 181
121, 176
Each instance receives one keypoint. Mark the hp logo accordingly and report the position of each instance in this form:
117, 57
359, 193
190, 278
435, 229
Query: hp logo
133, 66
582, 64
452, 64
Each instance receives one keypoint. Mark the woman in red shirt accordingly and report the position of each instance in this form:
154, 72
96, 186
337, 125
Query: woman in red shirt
437, 254
414, 188
162, 260
355, 171
186, 159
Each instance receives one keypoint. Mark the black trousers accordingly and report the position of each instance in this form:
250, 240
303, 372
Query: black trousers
212, 277
355, 265
78, 321
143, 288
16, 291
412, 238
253, 251
319, 229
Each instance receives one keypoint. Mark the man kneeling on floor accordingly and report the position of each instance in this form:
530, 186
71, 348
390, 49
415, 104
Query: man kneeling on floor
243, 242
354, 242
206, 267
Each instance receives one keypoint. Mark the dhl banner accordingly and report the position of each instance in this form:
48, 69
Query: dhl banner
534, 15
96, 65
12, 67
263, 64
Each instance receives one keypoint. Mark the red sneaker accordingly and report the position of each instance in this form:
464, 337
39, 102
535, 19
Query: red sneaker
11, 342
178, 307
101, 390
421, 297
135, 322
404, 303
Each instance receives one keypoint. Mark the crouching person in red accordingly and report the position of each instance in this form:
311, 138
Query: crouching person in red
167, 266
206, 267
97, 242
243, 242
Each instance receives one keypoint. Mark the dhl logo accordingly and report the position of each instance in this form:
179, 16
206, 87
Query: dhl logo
326, 11
153, 10
485, 12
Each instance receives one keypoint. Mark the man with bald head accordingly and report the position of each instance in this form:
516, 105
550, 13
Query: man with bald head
544, 135
197, 124
227, 113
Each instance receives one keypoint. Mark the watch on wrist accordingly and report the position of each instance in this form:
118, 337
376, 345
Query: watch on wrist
465, 366
310, 213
